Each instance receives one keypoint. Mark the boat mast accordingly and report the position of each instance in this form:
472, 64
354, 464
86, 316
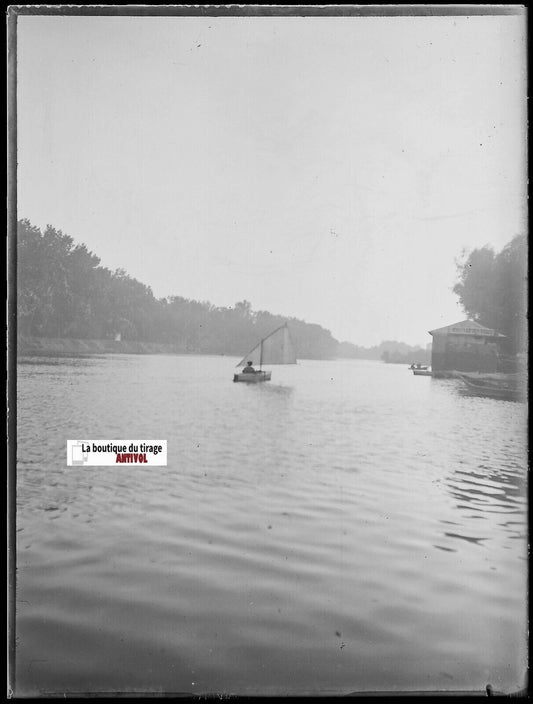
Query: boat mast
261, 356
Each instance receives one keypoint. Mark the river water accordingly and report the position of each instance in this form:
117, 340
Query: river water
346, 527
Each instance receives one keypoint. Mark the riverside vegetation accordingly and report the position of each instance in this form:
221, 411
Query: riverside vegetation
64, 294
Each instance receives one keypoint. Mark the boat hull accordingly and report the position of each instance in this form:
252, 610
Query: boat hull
255, 378
422, 372
494, 388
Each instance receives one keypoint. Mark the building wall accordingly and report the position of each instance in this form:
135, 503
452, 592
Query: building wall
463, 353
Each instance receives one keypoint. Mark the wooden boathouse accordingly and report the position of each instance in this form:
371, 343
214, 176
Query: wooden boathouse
465, 347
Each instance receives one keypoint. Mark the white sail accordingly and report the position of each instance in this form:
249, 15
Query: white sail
277, 348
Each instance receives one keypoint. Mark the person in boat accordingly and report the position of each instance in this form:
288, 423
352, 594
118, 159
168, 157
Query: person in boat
248, 369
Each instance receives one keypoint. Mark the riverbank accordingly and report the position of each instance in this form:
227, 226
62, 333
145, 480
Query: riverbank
68, 346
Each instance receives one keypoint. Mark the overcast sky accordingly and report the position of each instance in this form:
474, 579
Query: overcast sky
329, 169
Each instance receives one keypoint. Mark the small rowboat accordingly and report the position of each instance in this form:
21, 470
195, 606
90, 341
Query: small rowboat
422, 372
503, 386
253, 378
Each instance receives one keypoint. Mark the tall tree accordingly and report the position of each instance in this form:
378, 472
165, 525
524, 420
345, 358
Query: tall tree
492, 289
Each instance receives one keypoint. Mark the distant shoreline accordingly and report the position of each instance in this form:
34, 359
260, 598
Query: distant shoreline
66, 346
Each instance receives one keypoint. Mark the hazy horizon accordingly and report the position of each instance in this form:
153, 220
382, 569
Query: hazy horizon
329, 169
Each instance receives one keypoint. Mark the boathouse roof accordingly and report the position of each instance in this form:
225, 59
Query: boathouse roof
466, 327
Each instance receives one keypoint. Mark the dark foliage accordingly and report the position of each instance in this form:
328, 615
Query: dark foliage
63, 292
492, 289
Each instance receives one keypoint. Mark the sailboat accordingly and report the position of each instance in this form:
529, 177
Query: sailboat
276, 348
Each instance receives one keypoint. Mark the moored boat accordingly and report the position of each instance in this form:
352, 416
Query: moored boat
508, 387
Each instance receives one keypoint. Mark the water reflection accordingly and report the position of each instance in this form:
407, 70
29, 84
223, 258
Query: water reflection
511, 397
274, 389
488, 491
480, 495
74, 360
444, 549
468, 538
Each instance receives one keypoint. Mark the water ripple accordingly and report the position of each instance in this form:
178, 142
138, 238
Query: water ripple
347, 527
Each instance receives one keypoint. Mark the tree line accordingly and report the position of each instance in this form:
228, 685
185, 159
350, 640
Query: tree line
492, 289
390, 351
64, 292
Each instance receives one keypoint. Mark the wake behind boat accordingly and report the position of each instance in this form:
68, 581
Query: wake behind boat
276, 348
